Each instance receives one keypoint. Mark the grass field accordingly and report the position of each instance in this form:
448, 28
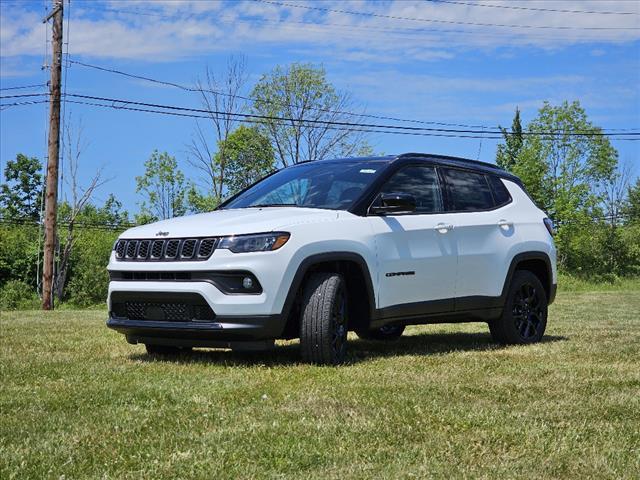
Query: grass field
78, 402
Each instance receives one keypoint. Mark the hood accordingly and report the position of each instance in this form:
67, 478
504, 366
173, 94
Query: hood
232, 222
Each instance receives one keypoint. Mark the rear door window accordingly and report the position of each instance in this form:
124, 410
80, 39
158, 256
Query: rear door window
467, 191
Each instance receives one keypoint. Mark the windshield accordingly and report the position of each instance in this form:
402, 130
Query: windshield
331, 185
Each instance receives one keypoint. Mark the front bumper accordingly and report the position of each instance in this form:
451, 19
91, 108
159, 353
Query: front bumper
218, 333
189, 314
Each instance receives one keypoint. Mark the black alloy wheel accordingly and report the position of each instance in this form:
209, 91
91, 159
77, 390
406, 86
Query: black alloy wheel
524, 317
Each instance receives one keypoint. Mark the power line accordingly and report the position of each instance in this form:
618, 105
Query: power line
249, 99
533, 9
25, 86
302, 122
88, 225
64, 103
4, 106
378, 117
448, 22
23, 95
121, 104
307, 24
118, 104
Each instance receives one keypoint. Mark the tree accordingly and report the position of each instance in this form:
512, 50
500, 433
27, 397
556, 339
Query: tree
200, 202
301, 94
74, 147
220, 96
249, 157
508, 152
565, 163
163, 188
631, 207
21, 196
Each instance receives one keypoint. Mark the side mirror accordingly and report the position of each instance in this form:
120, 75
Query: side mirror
390, 203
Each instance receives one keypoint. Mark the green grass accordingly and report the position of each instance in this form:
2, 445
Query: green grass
571, 283
77, 401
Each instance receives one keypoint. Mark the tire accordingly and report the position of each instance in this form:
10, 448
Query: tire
388, 332
524, 317
165, 350
323, 324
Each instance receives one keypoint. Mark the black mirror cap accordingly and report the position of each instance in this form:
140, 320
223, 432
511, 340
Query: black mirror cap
394, 203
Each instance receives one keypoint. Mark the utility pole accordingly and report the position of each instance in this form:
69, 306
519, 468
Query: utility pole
51, 199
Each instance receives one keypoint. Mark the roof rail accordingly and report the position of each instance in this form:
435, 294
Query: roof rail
447, 157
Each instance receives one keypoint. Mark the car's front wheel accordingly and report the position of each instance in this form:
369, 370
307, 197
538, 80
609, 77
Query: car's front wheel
524, 317
388, 332
323, 324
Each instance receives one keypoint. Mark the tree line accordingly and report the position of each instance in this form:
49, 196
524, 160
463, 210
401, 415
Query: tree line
576, 179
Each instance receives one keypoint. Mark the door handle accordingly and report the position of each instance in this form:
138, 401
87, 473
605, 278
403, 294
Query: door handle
443, 228
504, 224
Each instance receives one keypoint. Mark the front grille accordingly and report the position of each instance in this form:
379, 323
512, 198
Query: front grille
143, 249
173, 312
206, 247
161, 307
167, 311
131, 248
171, 249
188, 248
174, 249
157, 248
121, 247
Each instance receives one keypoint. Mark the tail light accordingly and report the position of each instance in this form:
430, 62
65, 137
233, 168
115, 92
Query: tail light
549, 224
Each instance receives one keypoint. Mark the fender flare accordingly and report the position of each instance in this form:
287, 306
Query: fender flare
318, 258
524, 256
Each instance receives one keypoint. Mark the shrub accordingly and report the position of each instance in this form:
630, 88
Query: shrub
88, 280
18, 295
19, 254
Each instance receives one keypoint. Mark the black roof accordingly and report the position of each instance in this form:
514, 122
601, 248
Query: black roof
435, 159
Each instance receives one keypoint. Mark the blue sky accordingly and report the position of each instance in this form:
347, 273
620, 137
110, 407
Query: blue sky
434, 71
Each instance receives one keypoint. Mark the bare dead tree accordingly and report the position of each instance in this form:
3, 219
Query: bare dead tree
220, 95
614, 193
74, 147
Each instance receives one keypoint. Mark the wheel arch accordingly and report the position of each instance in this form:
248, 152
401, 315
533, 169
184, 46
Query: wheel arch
357, 275
538, 263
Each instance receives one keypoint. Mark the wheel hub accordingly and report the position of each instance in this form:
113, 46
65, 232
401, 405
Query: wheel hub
527, 312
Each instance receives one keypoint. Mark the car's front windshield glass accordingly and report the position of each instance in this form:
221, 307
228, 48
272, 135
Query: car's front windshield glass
331, 185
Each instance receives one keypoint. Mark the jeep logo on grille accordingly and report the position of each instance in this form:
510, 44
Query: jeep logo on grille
162, 234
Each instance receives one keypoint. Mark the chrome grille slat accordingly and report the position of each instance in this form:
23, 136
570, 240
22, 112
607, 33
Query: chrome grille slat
165, 250
143, 249
157, 249
188, 248
132, 248
206, 247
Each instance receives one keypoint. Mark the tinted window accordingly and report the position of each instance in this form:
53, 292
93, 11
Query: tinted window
468, 191
422, 183
500, 192
332, 185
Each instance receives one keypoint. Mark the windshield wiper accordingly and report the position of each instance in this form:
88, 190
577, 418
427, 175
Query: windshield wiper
274, 205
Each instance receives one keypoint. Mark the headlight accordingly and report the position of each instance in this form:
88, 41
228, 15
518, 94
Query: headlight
263, 242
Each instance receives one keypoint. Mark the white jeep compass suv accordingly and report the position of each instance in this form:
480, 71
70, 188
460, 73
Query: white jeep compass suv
320, 248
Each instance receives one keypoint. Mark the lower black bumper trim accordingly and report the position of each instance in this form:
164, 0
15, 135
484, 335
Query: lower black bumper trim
224, 328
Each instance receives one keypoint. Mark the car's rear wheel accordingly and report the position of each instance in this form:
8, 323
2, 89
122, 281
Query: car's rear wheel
166, 350
524, 318
323, 324
388, 332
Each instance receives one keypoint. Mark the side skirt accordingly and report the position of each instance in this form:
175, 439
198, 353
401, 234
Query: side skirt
459, 310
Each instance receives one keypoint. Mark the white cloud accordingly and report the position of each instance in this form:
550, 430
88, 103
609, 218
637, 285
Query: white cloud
169, 30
